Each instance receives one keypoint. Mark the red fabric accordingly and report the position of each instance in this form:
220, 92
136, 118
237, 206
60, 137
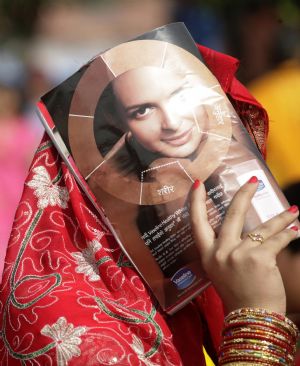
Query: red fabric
70, 297
251, 112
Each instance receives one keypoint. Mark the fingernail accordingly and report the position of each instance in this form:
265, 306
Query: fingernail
295, 228
196, 184
293, 209
253, 179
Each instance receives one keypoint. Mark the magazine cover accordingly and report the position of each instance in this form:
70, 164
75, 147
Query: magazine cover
137, 125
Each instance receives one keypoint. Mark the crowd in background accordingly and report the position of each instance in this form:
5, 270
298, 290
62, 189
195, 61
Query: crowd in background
43, 42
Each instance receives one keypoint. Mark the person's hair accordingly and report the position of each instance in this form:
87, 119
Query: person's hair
108, 126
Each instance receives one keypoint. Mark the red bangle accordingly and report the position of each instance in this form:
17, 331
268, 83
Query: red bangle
261, 338
254, 347
256, 323
261, 329
258, 336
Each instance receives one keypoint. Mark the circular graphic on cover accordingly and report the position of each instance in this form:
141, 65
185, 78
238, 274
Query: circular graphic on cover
146, 119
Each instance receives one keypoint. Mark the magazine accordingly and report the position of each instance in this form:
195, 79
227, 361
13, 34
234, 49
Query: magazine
136, 126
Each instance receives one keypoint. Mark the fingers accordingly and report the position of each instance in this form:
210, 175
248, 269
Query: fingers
203, 232
274, 231
279, 241
277, 223
235, 217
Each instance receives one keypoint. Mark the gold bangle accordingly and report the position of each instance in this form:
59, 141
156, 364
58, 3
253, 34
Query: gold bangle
292, 331
263, 313
258, 336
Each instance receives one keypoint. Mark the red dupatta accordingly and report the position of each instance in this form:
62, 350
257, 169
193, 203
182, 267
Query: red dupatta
70, 297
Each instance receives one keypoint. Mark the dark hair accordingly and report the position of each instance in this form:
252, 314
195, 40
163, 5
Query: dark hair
108, 127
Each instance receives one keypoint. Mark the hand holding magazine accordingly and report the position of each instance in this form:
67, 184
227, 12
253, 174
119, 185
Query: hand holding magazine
137, 125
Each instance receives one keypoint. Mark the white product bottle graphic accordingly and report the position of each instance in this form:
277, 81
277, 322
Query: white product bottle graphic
265, 201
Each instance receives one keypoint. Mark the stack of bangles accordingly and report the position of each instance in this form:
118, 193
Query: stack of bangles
253, 336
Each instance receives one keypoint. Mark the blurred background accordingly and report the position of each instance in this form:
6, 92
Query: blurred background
43, 42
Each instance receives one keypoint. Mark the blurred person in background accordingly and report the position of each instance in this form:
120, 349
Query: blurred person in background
18, 141
279, 91
253, 31
248, 30
265, 36
41, 44
204, 21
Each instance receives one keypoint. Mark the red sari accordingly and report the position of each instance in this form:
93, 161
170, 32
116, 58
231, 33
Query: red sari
70, 297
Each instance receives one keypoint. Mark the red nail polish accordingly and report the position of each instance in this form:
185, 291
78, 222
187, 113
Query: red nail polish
295, 228
196, 184
253, 180
293, 209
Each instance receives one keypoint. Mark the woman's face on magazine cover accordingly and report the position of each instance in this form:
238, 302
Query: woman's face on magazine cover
162, 110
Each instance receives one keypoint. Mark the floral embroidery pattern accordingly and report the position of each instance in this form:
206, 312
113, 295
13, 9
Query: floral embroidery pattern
46, 191
86, 262
55, 253
67, 339
137, 346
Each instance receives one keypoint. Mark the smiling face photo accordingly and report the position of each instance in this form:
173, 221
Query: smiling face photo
156, 113
146, 119
162, 110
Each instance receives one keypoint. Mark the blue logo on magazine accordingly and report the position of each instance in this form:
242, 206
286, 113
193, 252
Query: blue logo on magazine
261, 185
183, 278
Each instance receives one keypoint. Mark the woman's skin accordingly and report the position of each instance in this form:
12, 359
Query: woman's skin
167, 118
162, 110
289, 265
244, 272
